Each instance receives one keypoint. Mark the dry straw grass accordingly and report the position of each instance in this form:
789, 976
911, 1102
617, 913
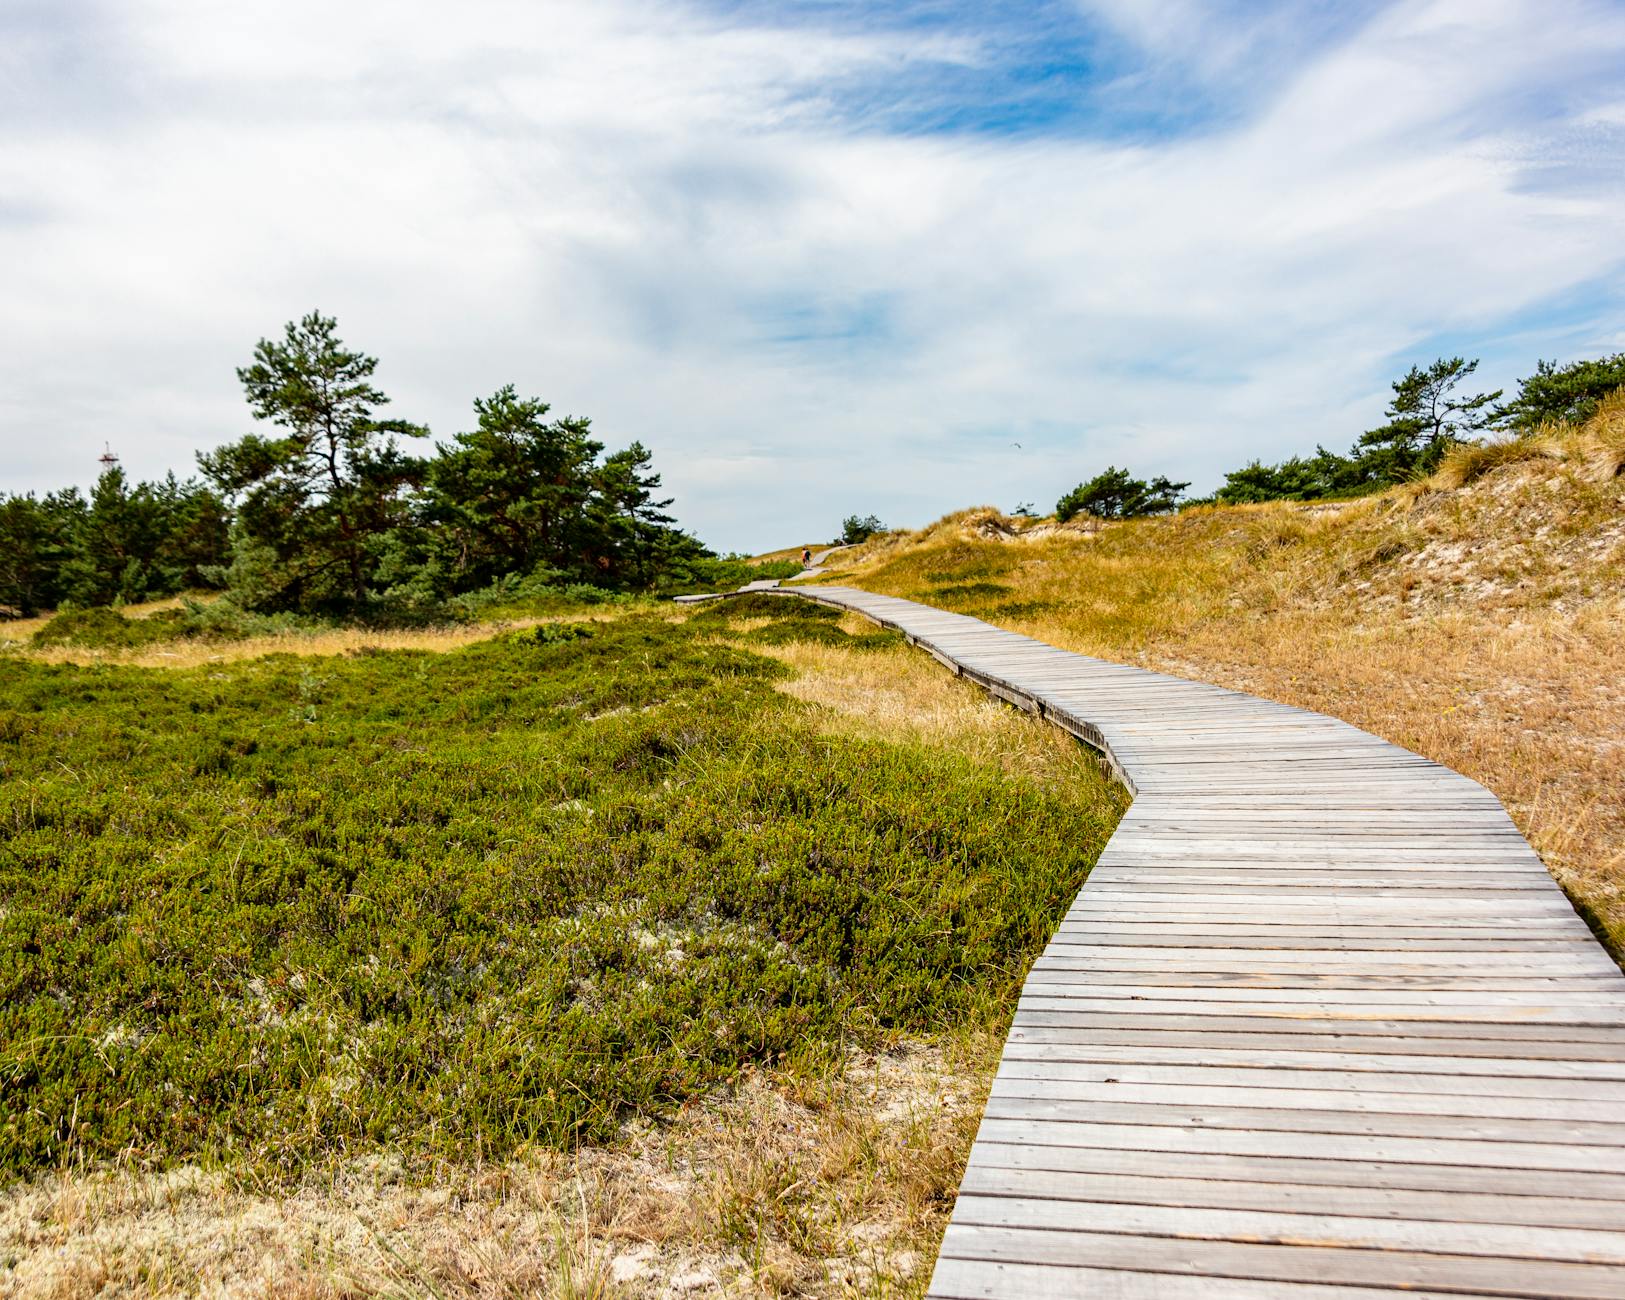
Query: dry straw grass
790, 1185
1467, 461
193, 653
901, 694
1604, 443
1475, 619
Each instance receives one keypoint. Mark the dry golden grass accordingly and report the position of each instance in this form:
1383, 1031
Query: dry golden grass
191, 652
900, 694
1604, 443
1475, 619
787, 553
790, 1185
1468, 461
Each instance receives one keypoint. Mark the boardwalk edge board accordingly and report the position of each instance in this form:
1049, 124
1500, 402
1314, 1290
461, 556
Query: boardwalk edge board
1319, 1025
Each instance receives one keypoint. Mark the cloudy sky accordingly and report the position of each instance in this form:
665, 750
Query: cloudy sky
823, 256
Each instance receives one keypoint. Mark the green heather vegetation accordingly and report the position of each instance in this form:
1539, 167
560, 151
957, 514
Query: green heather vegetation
275, 914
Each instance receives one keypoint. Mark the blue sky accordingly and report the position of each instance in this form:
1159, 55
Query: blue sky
824, 256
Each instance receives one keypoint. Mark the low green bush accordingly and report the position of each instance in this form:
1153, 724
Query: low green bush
551, 633
728, 573
543, 592
104, 628
281, 912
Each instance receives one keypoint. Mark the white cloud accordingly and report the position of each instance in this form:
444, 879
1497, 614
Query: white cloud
653, 218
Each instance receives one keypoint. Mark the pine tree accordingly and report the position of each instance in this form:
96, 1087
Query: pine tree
630, 538
315, 504
1424, 418
36, 543
1561, 394
1116, 494
510, 496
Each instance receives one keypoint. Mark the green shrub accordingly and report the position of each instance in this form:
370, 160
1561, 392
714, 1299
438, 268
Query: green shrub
103, 628
551, 633
726, 574
541, 593
1115, 494
859, 528
286, 910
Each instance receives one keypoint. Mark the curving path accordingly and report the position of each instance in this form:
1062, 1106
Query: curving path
1320, 1024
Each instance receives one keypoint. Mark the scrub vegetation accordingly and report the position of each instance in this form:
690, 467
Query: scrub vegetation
1473, 617
594, 922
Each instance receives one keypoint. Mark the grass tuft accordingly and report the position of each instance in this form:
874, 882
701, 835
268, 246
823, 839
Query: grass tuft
1468, 461
1605, 437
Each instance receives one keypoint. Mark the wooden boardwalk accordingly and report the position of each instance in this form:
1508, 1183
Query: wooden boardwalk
1319, 1025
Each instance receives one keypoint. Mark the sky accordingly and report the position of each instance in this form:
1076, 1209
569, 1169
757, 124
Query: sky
824, 257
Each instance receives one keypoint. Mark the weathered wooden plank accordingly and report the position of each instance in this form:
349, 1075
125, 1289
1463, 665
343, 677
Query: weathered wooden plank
1599, 1197
1301, 1094
1503, 960
1325, 920
1304, 1198
1418, 1053
1291, 875
1082, 1028
1489, 1153
1292, 1226
1342, 910
980, 1279
1075, 977
1080, 925
1502, 1133
1316, 1263
1235, 1027
1241, 938
1355, 1004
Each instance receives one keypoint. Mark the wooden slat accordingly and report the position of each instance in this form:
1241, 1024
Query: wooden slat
1319, 1027
1237, 1028
1319, 1263
1603, 1194
1261, 1114
1304, 1198
976, 1279
1304, 1094
1441, 1231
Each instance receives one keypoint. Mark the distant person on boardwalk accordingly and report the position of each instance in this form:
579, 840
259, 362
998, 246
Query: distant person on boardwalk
806, 557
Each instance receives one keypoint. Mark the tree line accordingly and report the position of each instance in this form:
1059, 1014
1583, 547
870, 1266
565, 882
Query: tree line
329, 512
1429, 412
